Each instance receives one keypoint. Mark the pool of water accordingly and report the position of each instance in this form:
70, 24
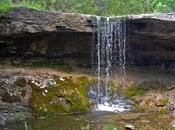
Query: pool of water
95, 121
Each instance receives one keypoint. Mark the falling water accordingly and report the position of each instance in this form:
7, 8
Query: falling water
111, 60
99, 59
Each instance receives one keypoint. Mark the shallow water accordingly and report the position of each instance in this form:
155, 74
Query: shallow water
96, 121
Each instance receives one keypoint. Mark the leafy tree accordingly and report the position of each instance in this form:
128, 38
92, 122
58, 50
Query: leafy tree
97, 7
5, 5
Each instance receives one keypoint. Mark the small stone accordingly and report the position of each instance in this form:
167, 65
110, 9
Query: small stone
34, 82
129, 127
62, 79
171, 107
173, 126
44, 86
43, 94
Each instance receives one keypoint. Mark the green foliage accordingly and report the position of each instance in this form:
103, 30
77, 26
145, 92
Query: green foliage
30, 4
163, 5
5, 5
96, 7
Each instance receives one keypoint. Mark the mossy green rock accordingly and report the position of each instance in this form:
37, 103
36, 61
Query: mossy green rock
68, 95
162, 102
133, 90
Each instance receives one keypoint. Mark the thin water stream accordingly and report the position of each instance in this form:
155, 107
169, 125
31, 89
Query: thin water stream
111, 60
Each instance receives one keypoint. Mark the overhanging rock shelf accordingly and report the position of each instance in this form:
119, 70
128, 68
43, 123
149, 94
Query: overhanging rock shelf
29, 34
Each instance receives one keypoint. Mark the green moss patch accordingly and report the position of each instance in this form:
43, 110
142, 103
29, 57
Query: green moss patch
163, 111
67, 96
162, 102
139, 89
133, 90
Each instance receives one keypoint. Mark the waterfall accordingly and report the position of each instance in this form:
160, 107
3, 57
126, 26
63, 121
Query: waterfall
99, 59
111, 60
111, 47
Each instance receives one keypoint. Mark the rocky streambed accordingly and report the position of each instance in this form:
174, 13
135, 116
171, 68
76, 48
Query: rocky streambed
50, 97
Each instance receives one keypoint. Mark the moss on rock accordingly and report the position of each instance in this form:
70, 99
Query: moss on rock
68, 95
162, 102
140, 88
148, 96
163, 111
133, 90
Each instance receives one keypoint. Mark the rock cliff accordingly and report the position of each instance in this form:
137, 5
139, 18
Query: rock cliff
27, 34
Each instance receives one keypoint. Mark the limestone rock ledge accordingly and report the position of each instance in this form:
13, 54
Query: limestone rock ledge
29, 34
23, 20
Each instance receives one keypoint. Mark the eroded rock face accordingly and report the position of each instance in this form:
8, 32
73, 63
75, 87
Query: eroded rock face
151, 41
14, 96
29, 34
23, 20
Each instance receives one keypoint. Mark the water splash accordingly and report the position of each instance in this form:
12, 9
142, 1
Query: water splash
111, 60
